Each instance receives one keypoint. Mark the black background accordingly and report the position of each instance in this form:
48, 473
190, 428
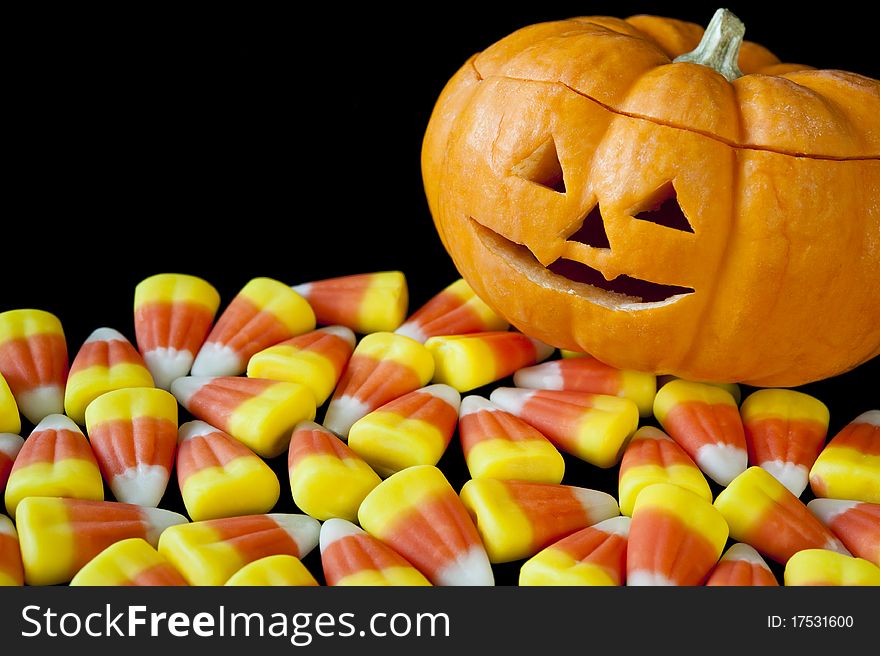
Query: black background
231, 145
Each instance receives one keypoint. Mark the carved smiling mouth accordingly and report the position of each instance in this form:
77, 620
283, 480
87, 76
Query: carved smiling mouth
570, 277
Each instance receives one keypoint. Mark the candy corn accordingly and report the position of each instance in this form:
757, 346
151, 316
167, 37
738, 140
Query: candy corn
418, 514
595, 555
133, 434
11, 572
107, 361
258, 413
315, 360
857, 525
365, 302
131, 562
10, 422
762, 513
383, 367
352, 557
497, 444
10, 445
173, 313
592, 427
675, 538
469, 361
327, 478
653, 457
731, 388
280, 570
516, 519
457, 310
210, 552
820, 567
587, 374
849, 466
265, 312
741, 565
705, 421
414, 429
33, 360
59, 536
785, 431
220, 477
55, 461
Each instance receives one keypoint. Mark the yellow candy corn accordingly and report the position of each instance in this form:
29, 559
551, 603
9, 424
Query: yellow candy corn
849, 466
822, 567
469, 361
414, 429
653, 457
315, 360
210, 552
327, 478
131, 562
281, 570
55, 461
258, 413
220, 477
107, 361
10, 422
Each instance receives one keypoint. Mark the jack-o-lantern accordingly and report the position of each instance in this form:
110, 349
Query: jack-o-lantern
665, 212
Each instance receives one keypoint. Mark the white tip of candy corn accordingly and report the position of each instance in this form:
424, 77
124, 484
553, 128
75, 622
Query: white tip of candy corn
183, 389
412, 331
471, 568
7, 527
473, 403
722, 462
511, 399
645, 578
143, 485
826, 510
166, 364
744, 553
871, 417
158, 520
542, 350
193, 429
792, 475
41, 401
302, 529
343, 412
106, 335
57, 422
444, 393
10, 444
217, 360
836, 545
615, 526
303, 289
335, 529
597, 505
540, 376
341, 332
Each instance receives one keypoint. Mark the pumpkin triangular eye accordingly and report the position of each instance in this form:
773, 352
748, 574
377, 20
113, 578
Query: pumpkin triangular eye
663, 209
542, 167
592, 231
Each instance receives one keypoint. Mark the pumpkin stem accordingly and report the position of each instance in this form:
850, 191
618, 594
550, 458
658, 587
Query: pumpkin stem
719, 47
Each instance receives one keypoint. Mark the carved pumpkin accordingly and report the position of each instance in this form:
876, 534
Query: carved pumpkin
675, 217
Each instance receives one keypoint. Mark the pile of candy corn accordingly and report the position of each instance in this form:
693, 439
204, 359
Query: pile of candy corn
709, 485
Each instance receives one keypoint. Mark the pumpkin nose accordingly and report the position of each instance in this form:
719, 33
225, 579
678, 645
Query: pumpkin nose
592, 231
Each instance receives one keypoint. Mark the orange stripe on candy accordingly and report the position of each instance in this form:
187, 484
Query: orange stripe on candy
607, 550
122, 443
489, 425
446, 314
37, 360
219, 398
864, 438
246, 328
315, 442
204, 451
182, 326
564, 410
372, 380
10, 557
661, 543
254, 536
790, 528
158, 575
741, 573
510, 350
356, 553
859, 530
425, 407
533, 499
694, 424
589, 375
339, 300
98, 524
665, 453
330, 346
103, 353
791, 440
66, 445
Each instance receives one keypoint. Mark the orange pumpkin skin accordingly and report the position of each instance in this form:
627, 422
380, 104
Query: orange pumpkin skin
777, 173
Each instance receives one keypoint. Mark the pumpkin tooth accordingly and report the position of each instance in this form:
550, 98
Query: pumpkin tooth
595, 555
785, 431
741, 565
365, 302
456, 310
265, 312
849, 465
418, 514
